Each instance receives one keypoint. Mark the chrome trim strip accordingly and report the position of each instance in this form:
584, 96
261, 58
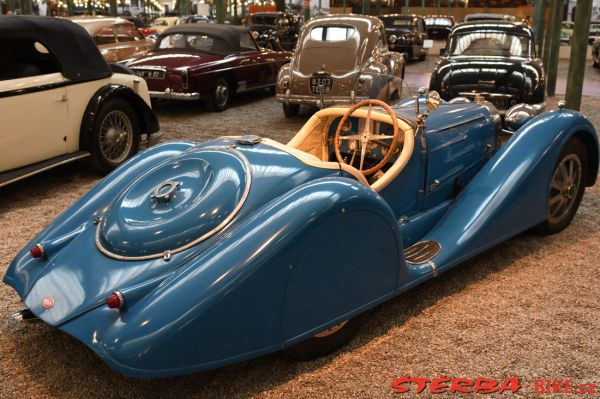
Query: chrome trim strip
169, 95
206, 235
35, 172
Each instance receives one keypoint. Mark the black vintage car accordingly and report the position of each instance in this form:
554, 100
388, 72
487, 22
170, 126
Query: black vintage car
439, 26
275, 30
495, 60
406, 34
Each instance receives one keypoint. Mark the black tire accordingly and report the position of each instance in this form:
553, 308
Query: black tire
115, 135
422, 57
220, 96
566, 187
325, 342
291, 110
596, 64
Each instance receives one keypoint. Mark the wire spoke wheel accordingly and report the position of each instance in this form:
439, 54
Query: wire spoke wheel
564, 187
116, 136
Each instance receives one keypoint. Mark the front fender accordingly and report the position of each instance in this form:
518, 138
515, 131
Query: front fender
510, 193
147, 120
227, 304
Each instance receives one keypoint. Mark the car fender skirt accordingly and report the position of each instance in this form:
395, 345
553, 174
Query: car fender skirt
226, 304
148, 121
509, 194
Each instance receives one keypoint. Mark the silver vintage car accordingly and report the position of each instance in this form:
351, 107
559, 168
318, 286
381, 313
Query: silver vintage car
340, 59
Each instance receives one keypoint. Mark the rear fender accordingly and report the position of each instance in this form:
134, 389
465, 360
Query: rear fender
81, 214
510, 193
146, 118
227, 304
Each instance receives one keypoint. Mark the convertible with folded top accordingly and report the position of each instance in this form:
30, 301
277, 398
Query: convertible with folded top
192, 256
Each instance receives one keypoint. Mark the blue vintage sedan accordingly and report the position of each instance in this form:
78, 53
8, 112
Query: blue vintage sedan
192, 256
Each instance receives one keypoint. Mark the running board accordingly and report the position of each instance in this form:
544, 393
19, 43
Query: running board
423, 252
17, 174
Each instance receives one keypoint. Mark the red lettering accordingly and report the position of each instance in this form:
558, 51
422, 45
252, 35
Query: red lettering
439, 385
511, 384
421, 383
590, 391
485, 385
568, 386
557, 386
461, 385
538, 386
398, 384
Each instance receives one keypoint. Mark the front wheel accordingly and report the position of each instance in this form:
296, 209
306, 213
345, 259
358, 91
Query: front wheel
326, 341
115, 135
221, 95
566, 187
291, 110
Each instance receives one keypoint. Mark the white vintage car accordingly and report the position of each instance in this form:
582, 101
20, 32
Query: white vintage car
60, 101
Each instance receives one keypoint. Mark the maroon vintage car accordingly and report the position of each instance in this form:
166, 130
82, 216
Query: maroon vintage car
209, 62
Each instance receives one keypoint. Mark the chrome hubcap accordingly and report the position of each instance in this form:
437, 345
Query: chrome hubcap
565, 185
116, 136
221, 94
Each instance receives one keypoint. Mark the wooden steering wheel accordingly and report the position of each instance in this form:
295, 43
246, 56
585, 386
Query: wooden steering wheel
365, 137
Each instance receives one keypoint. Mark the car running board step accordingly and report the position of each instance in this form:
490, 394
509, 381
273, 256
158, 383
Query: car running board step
30, 170
422, 252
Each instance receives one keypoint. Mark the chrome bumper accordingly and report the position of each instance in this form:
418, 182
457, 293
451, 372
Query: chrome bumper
316, 101
168, 94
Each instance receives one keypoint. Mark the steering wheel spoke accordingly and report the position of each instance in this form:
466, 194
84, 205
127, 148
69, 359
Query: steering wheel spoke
365, 137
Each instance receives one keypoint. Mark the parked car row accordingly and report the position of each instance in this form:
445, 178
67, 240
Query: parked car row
60, 101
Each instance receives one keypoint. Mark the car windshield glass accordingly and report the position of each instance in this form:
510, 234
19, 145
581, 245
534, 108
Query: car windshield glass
331, 33
489, 43
438, 21
264, 20
189, 42
400, 22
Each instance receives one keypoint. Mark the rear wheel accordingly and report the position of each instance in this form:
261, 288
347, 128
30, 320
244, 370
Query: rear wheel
291, 110
115, 135
326, 341
566, 187
221, 95
422, 57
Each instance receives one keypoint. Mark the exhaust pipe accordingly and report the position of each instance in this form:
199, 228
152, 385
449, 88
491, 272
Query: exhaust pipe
24, 315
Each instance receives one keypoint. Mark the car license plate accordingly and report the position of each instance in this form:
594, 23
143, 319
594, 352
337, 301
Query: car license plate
150, 73
321, 84
500, 103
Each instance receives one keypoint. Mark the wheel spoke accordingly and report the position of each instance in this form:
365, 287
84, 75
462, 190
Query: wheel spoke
363, 153
381, 137
571, 172
350, 137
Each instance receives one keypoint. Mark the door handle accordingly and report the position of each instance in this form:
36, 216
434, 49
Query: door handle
63, 99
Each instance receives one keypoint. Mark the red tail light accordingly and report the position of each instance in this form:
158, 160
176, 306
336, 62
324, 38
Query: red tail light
115, 300
37, 251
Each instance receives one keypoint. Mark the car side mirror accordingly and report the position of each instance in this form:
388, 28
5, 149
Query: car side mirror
443, 51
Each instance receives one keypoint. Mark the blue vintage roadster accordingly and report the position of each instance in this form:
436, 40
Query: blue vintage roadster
192, 256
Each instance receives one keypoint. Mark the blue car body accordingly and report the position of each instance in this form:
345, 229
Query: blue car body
259, 251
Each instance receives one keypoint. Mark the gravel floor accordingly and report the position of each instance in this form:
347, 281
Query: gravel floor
527, 308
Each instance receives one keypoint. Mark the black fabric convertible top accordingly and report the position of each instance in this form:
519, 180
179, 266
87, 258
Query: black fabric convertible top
228, 35
70, 44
